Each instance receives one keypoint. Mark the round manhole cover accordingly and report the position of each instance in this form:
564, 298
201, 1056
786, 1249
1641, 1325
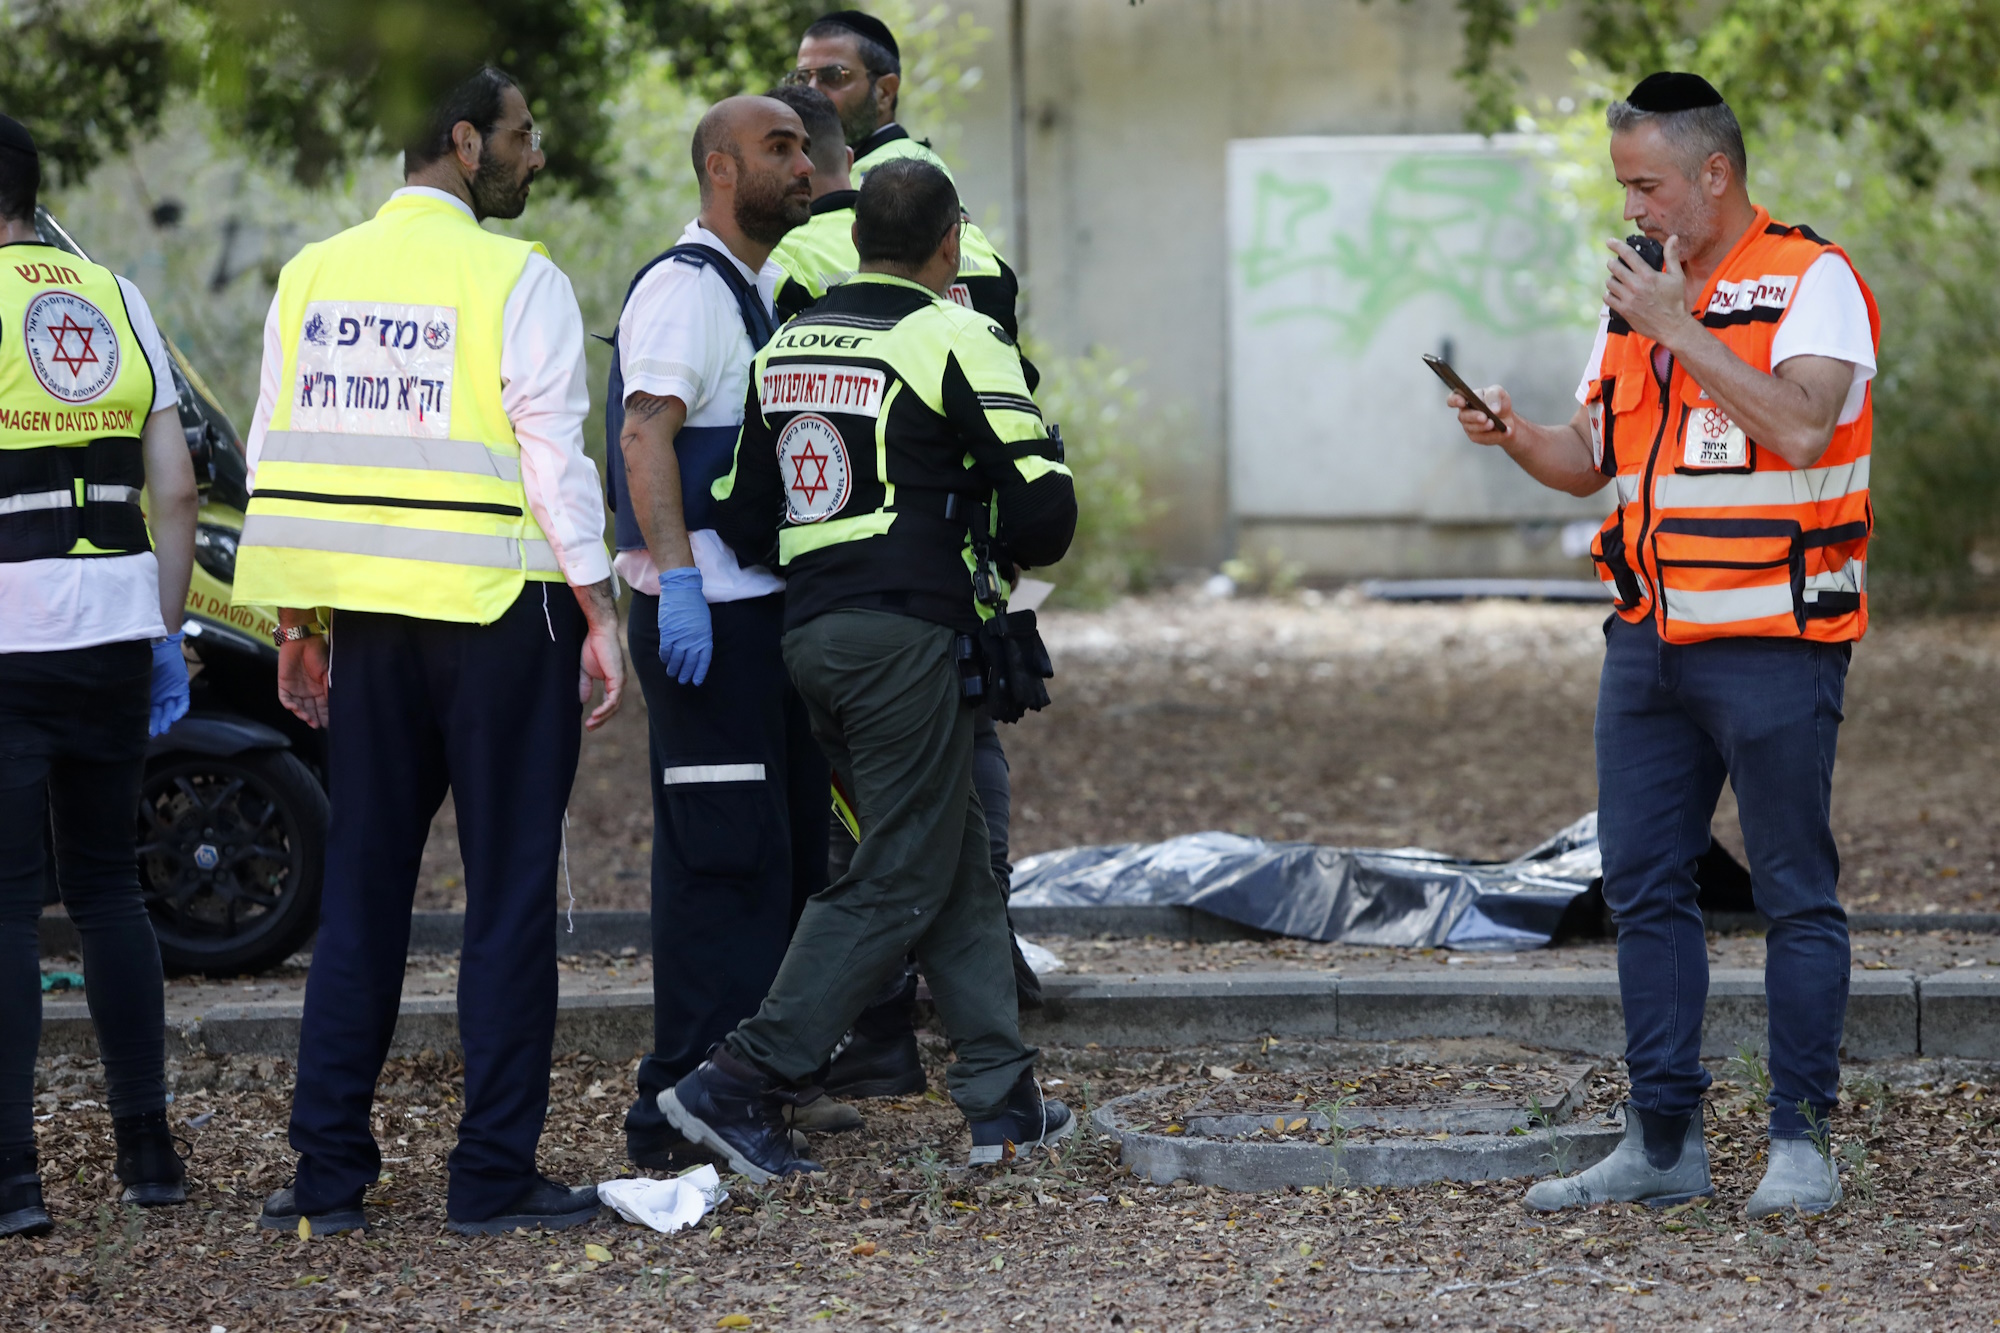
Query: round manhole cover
1388, 1125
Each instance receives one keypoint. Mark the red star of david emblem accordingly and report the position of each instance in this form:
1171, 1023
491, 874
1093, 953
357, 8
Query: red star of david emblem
78, 359
810, 489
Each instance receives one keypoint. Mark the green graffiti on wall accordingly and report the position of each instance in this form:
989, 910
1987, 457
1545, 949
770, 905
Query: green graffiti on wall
1474, 229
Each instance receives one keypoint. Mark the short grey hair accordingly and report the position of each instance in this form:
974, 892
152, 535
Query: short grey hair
1695, 134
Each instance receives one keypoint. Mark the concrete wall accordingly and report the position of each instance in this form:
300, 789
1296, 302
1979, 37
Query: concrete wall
1130, 111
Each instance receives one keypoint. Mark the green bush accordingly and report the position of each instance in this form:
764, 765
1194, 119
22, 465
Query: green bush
1093, 399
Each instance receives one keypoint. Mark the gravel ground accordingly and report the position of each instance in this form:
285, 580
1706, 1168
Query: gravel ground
891, 1237
1465, 728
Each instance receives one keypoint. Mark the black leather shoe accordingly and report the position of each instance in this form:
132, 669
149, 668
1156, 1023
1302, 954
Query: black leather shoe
734, 1110
148, 1162
877, 1063
1027, 1121
22, 1212
544, 1205
281, 1213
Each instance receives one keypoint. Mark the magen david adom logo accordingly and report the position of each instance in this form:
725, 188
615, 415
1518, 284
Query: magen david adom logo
813, 459
71, 346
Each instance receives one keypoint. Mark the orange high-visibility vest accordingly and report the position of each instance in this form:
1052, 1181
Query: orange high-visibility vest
1713, 536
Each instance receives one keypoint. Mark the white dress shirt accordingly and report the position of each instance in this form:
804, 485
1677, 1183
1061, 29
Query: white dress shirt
1827, 317
47, 605
681, 336
545, 393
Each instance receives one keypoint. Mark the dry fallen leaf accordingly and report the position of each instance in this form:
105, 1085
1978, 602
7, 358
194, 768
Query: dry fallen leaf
597, 1252
733, 1321
864, 1249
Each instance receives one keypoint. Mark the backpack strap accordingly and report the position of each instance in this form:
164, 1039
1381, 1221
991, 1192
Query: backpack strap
757, 323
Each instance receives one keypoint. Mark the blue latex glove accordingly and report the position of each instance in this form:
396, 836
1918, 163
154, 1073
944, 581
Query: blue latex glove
687, 635
170, 685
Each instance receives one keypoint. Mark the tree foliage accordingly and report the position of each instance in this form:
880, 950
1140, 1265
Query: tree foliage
719, 47
317, 84
86, 78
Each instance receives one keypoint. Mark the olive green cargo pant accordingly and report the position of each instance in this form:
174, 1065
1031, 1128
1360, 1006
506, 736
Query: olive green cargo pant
882, 691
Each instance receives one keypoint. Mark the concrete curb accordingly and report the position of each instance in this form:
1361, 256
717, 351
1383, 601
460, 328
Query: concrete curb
600, 931
1168, 1010
1889, 1014
1961, 1014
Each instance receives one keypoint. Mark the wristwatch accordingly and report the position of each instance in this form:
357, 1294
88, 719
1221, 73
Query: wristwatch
293, 633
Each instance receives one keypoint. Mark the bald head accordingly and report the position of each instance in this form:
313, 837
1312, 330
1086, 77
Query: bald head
750, 161
739, 126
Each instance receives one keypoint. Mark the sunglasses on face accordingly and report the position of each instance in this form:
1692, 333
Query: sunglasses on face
823, 76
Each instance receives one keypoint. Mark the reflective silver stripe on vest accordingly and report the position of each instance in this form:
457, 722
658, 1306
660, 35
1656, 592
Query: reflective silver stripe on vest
1760, 489
33, 500
541, 557
325, 534
1628, 487
114, 494
1851, 577
1726, 605
693, 774
392, 451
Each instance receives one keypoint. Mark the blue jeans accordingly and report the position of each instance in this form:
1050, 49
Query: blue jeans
1673, 720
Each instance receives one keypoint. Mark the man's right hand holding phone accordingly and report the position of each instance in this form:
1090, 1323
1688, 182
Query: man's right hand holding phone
1477, 425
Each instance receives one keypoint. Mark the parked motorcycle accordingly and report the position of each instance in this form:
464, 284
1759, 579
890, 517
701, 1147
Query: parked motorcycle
232, 810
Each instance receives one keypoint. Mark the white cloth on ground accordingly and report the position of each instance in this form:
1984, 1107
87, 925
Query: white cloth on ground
666, 1205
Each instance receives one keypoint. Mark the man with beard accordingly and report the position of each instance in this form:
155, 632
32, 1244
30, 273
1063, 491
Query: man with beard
854, 60
418, 473
1728, 401
739, 786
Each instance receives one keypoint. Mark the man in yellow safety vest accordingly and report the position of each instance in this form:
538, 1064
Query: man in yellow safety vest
418, 471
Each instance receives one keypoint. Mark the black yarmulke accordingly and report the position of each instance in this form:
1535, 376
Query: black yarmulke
1668, 91
14, 135
863, 25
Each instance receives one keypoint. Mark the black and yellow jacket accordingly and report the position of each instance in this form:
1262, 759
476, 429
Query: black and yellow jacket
880, 424
820, 255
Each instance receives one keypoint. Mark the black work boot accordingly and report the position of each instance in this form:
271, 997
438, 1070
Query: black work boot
148, 1163
879, 1059
22, 1212
281, 1213
736, 1111
1028, 1120
543, 1206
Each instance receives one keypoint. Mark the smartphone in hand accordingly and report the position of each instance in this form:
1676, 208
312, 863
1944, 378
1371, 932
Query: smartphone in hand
1442, 369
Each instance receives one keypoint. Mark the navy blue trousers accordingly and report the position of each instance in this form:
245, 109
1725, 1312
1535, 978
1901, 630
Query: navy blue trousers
740, 800
488, 712
1673, 721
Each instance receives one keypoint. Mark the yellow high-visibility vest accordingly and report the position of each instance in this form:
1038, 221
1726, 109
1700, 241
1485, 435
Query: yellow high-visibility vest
390, 479
75, 391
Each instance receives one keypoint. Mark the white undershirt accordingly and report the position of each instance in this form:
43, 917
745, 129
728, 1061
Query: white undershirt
49, 605
681, 336
545, 391
1827, 317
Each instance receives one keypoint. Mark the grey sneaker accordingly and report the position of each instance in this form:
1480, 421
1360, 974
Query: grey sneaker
1627, 1177
1797, 1180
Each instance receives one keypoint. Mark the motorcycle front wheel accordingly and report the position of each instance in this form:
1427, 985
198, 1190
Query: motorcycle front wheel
231, 853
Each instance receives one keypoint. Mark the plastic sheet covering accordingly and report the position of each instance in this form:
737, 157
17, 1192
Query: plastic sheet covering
1405, 896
